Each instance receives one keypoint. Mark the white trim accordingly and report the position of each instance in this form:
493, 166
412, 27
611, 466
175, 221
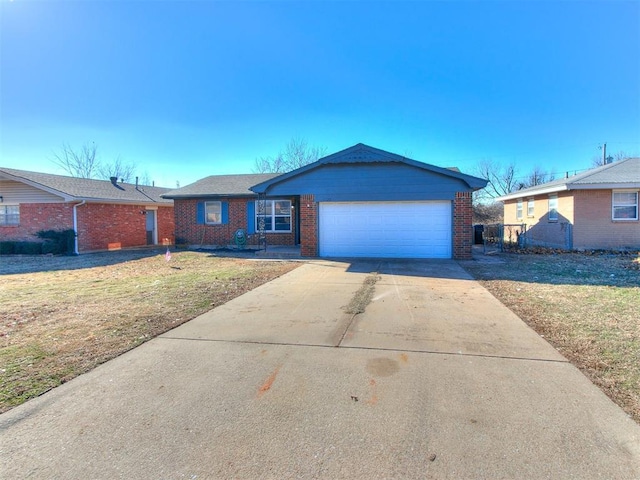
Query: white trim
613, 192
273, 215
75, 226
11, 204
155, 223
528, 193
520, 207
553, 196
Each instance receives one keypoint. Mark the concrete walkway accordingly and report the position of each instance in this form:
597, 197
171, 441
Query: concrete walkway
436, 379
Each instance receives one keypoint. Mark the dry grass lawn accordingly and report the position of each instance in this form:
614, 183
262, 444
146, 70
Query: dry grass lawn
587, 306
62, 316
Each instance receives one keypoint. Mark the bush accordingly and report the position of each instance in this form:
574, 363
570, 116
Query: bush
7, 248
57, 241
28, 248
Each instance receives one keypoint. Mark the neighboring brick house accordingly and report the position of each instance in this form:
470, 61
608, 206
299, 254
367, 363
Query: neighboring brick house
359, 202
596, 209
105, 214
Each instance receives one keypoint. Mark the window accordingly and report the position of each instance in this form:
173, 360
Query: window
624, 206
553, 208
519, 209
212, 213
9, 215
530, 208
276, 215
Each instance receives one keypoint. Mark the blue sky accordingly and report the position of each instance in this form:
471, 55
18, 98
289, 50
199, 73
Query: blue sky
187, 89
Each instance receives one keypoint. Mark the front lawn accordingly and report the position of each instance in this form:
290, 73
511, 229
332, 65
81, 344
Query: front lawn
62, 316
585, 305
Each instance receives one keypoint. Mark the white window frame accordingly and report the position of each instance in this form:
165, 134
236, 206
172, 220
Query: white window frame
273, 215
5, 216
553, 207
531, 208
213, 204
519, 209
618, 205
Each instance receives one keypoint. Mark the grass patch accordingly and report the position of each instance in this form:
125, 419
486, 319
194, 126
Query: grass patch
62, 316
585, 305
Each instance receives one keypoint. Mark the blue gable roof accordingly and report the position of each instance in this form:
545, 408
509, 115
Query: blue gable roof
363, 173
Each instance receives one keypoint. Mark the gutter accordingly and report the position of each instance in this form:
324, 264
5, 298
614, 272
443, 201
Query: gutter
75, 225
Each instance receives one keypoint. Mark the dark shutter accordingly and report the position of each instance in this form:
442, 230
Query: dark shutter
200, 213
251, 217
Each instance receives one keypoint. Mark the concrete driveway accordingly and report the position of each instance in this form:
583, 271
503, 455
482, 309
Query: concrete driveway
436, 379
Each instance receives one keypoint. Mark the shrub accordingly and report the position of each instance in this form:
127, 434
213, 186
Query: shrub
28, 248
57, 241
7, 248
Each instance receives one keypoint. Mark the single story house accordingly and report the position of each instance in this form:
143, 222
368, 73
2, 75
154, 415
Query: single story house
105, 214
359, 202
596, 209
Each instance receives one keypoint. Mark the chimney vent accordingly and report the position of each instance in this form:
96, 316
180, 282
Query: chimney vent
114, 180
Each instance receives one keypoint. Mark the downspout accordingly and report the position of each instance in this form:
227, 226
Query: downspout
75, 226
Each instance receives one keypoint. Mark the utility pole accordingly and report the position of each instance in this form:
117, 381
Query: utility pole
604, 153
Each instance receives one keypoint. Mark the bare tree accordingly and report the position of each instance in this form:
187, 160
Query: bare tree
501, 179
83, 163
486, 213
537, 176
119, 169
297, 153
145, 179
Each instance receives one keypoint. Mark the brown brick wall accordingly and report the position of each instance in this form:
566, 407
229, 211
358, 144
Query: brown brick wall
541, 231
39, 216
308, 226
188, 232
166, 226
584, 222
594, 227
462, 226
104, 226
99, 224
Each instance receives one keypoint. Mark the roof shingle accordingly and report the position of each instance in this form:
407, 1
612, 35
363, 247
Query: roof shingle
221, 185
74, 188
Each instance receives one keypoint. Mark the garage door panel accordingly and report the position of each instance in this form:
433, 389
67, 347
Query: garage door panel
386, 229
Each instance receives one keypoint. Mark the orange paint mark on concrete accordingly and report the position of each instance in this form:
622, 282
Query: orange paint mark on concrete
374, 396
404, 357
268, 382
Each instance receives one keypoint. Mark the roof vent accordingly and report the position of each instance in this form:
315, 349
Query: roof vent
114, 180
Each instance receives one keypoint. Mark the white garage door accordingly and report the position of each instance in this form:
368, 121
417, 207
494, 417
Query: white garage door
385, 229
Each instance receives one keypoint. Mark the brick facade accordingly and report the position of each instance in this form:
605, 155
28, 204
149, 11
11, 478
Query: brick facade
101, 226
584, 222
308, 226
35, 217
104, 226
595, 229
462, 226
189, 232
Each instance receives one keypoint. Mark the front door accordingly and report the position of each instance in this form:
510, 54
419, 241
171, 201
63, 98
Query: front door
151, 227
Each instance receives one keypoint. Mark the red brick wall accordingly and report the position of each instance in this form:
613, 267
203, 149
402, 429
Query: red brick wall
462, 226
308, 226
594, 228
166, 226
99, 224
39, 216
103, 226
188, 232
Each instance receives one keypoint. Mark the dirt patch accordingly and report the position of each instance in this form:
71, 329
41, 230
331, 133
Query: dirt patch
585, 305
363, 296
62, 316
